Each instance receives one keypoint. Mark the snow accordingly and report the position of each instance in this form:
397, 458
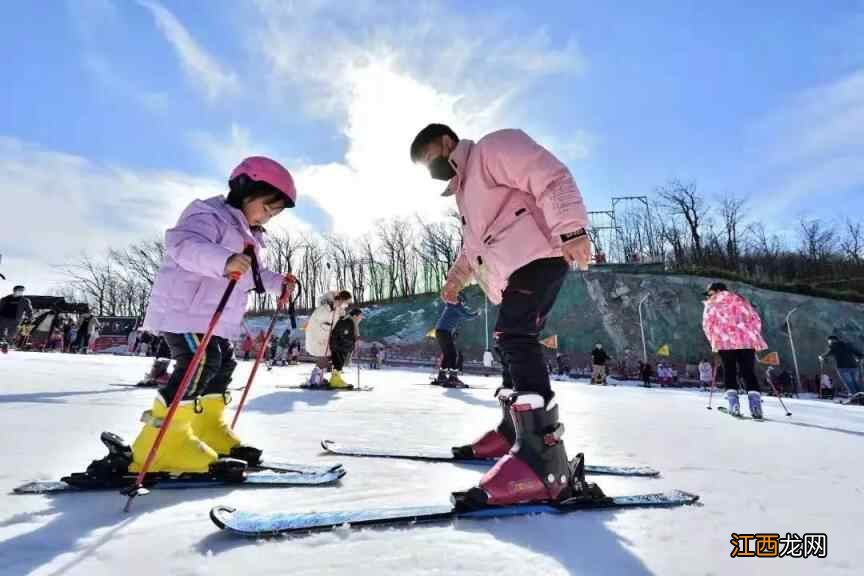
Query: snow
799, 474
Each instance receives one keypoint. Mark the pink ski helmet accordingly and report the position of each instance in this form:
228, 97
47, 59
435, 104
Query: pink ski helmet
263, 169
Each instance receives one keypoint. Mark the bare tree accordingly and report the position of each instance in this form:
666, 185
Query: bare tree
817, 240
732, 211
852, 243
682, 200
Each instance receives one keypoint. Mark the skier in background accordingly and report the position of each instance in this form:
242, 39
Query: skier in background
846, 357
599, 358
82, 340
284, 344
645, 373
13, 309
734, 329
247, 346
706, 374
343, 340
523, 223
826, 387
445, 333
331, 308
202, 252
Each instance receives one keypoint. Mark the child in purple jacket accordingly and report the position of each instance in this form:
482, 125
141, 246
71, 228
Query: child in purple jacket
201, 252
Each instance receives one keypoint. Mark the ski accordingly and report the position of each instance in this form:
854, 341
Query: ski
352, 389
256, 479
439, 456
725, 410
139, 385
279, 466
252, 524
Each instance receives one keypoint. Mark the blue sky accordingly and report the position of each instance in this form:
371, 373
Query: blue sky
115, 114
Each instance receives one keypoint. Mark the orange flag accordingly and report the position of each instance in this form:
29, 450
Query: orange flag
550, 342
771, 359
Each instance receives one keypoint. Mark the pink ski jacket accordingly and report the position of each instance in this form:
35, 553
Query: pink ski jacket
515, 200
191, 279
731, 323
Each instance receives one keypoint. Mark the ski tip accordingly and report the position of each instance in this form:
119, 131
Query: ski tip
685, 497
327, 445
220, 514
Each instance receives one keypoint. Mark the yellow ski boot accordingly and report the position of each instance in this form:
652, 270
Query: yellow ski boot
337, 382
210, 426
181, 451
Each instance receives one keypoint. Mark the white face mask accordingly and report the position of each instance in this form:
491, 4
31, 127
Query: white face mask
17, 292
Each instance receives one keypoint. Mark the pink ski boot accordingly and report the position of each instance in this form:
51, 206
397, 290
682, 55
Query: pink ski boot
536, 469
494, 443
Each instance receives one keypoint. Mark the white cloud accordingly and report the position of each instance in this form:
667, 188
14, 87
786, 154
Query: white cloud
813, 147
225, 151
58, 205
385, 79
201, 67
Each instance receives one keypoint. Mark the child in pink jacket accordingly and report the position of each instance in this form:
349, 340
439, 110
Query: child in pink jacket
213, 240
523, 224
734, 329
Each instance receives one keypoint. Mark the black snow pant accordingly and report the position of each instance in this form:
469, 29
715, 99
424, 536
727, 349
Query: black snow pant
448, 349
8, 329
739, 362
339, 357
529, 296
213, 374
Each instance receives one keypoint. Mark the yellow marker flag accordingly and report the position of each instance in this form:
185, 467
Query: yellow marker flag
771, 359
430, 333
664, 350
550, 342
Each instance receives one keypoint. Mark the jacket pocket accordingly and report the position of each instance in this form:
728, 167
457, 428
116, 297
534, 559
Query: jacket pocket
514, 241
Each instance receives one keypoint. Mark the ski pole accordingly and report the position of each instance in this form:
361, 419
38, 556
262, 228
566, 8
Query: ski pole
279, 306
779, 397
357, 348
138, 488
711, 393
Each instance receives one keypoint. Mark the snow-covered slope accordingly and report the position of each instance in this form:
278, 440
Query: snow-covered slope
799, 474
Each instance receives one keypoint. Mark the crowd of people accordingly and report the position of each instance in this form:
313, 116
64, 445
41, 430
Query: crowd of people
63, 332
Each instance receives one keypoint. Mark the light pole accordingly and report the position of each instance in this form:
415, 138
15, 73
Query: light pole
642, 329
487, 354
486, 319
792, 346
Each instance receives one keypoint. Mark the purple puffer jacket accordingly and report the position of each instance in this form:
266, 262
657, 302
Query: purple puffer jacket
190, 282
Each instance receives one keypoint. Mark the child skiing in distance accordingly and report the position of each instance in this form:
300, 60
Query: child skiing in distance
343, 339
318, 329
202, 251
734, 329
445, 333
706, 374
523, 224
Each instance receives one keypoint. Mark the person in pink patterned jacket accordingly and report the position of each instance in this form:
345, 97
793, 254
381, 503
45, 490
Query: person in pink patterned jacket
523, 224
734, 329
213, 240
